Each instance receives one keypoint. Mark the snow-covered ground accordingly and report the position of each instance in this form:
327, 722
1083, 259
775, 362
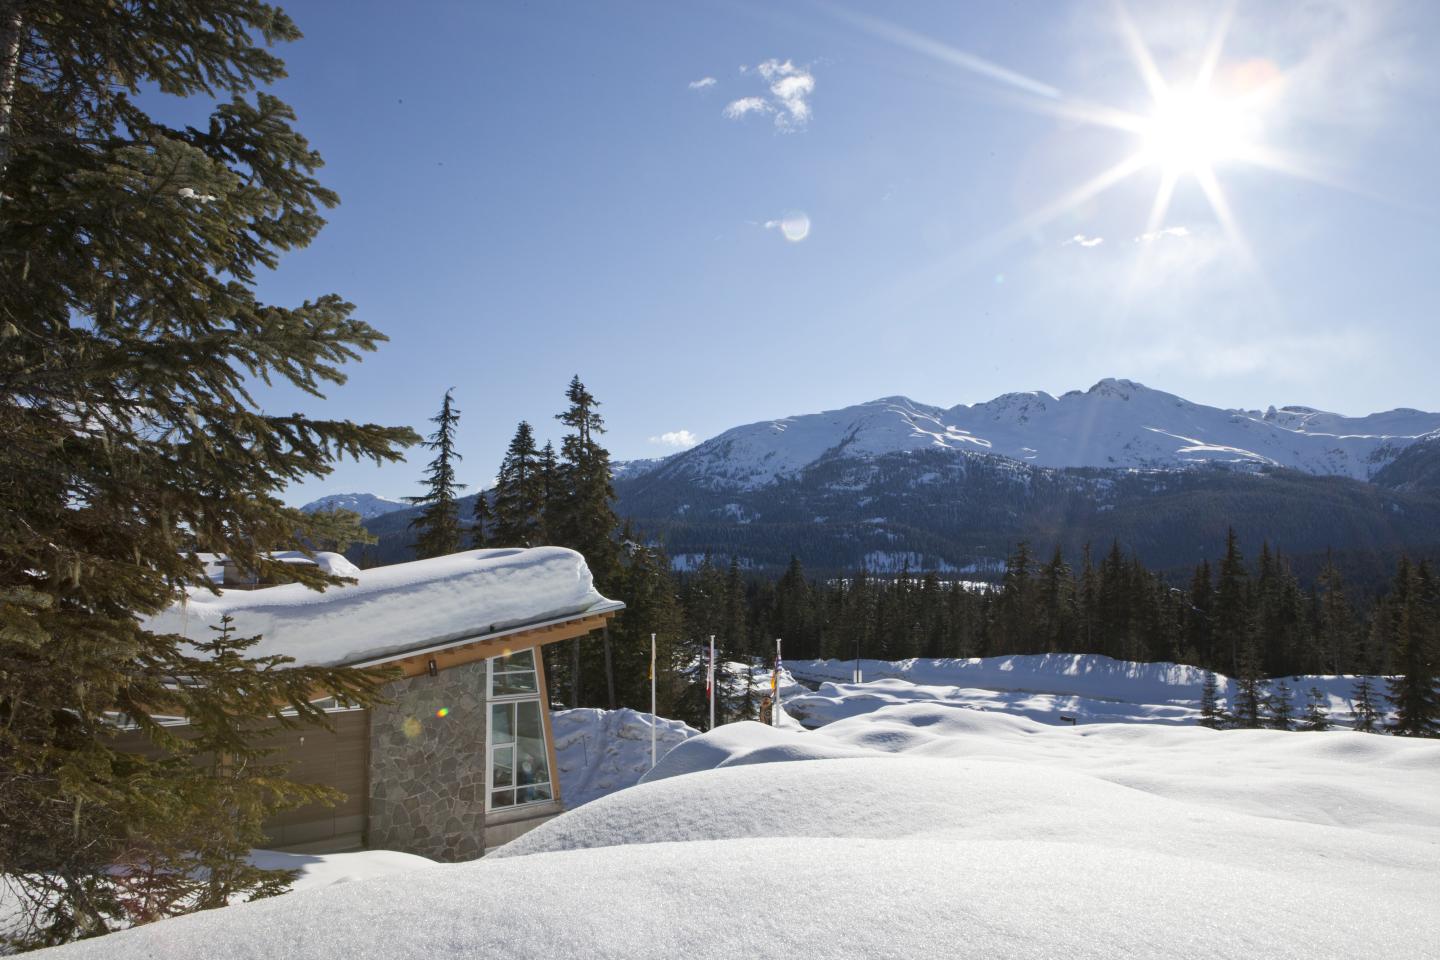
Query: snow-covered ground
940, 810
931, 831
1044, 687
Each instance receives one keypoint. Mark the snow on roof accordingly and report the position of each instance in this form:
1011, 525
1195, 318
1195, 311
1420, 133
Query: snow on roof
394, 609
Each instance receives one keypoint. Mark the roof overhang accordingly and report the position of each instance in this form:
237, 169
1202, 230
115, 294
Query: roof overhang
460, 650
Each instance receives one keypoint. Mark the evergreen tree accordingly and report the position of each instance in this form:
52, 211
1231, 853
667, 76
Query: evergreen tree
1249, 697
129, 441
1335, 639
735, 624
1362, 698
1317, 711
584, 513
438, 522
519, 507
549, 485
1415, 692
1281, 705
1014, 623
1210, 713
1088, 601
1231, 621
792, 616
481, 522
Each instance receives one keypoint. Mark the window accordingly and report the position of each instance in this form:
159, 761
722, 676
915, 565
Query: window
519, 759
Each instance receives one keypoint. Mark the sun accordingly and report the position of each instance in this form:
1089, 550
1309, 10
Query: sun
1190, 131
1192, 128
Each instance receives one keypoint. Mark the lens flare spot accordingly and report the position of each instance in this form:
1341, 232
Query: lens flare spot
411, 727
443, 712
795, 226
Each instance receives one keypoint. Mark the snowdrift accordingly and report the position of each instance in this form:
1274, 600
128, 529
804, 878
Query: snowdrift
601, 751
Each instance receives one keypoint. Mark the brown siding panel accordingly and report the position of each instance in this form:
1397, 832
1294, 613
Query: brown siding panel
337, 758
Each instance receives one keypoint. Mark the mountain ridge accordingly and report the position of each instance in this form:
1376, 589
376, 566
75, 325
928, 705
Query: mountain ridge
1116, 424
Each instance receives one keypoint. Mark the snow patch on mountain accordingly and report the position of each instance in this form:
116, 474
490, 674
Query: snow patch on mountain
1115, 424
367, 505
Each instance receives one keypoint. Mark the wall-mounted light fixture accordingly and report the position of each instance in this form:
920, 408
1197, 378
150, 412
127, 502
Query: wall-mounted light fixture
434, 670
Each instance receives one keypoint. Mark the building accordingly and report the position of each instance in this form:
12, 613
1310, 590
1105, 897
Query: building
462, 758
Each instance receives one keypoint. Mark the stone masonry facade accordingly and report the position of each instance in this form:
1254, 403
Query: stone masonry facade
427, 771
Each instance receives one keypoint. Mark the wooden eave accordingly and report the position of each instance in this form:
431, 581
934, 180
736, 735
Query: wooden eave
456, 653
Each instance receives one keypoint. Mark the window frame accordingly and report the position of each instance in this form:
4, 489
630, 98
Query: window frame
512, 701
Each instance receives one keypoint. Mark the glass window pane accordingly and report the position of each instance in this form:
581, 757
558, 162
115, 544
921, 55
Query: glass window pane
502, 798
502, 723
533, 794
513, 684
519, 660
503, 760
532, 760
527, 722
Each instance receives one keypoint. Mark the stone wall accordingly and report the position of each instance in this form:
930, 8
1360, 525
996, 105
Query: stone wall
427, 772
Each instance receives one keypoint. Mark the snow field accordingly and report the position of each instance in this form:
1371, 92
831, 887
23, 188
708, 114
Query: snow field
1044, 687
974, 835
915, 825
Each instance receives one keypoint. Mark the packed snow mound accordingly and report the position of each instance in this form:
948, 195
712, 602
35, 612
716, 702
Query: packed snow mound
602, 751
1335, 778
334, 564
392, 609
1115, 424
1051, 688
315, 870
989, 836
747, 742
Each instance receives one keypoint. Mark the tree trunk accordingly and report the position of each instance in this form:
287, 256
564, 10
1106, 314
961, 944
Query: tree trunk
10, 32
609, 668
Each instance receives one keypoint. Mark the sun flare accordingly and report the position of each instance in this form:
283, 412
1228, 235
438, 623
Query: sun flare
1190, 131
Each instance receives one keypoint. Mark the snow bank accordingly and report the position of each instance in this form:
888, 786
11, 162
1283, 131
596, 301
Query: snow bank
323, 870
1043, 687
396, 608
601, 751
746, 742
950, 832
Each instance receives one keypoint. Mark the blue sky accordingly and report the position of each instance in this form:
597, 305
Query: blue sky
535, 190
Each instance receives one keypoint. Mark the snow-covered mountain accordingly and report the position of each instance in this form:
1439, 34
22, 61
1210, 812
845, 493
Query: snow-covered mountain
366, 504
1114, 424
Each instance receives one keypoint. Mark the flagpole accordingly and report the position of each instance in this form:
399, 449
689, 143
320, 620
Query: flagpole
654, 718
775, 688
712, 681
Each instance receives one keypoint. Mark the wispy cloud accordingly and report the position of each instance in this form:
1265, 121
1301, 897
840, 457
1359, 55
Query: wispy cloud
702, 83
789, 88
736, 109
1154, 235
679, 439
1080, 240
